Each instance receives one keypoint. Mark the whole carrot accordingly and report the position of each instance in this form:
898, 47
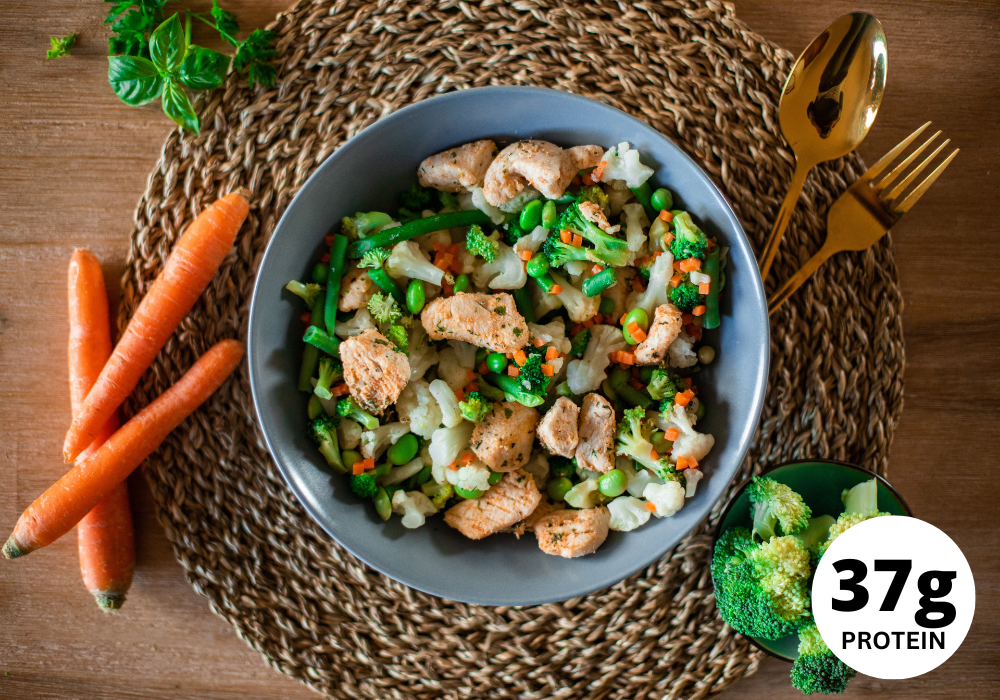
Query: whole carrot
106, 538
64, 504
190, 267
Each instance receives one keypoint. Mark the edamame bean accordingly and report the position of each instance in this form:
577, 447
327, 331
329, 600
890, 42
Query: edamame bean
496, 362
381, 470
461, 284
468, 493
531, 215
415, 296
404, 450
537, 266
314, 408
383, 504
662, 199
424, 475
607, 306
319, 273
495, 477
350, 458
641, 319
700, 411
706, 354
549, 214
613, 483
661, 444
558, 488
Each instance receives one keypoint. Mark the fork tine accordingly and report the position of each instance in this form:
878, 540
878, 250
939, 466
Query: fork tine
905, 182
884, 161
918, 192
904, 164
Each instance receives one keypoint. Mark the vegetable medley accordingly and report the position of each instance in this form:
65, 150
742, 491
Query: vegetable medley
516, 345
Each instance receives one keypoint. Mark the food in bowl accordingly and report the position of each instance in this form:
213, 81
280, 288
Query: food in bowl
516, 346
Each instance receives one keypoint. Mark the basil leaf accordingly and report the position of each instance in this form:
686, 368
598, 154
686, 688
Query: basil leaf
204, 69
177, 106
167, 46
134, 79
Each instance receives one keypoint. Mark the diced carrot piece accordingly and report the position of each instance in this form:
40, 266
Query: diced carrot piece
682, 463
466, 459
324, 258
576, 329
677, 265
483, 369
470, 387
328, 239
551, 353
589, 322
657, 254
340, 390
690, 265
577, 240
686, 319
698, 310
556, 289
637, 286
637, 333
621, 321
538, 342
693, 331
703, 287
598, 172
520, 358
598, 318
651, 507
459, 395
665, 216
453, 465
668, 238
358, 468
597, 268
456, 266
566, 236
513, 371
653, 454
683, 398
627, 358
675, 280
454, 248
526, 255
711, 244
306, 318
636, 384
369, 463
672, 434
687, 381
587, 178
548, 370
692, 462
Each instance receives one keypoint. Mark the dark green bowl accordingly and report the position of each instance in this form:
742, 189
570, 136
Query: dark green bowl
820, 483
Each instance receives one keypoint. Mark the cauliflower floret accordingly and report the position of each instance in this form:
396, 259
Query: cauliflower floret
407, 260
658, 290
451, 415
689, 443
533, 241
681, 352
579, 306
627, 513
417, 406
623, 164
691, 479
423, 355
538, 467
474, 477
451, 370
413, 506
617, 198
552, 333
375, 442
505, 272
584, 495
517, 202
668, 498
635, 220
361, 322
398, 474
465, 353
480, 203
587, 373
448, 443
348, 434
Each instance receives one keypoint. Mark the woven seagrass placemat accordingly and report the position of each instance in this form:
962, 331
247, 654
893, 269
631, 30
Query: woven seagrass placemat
696, 74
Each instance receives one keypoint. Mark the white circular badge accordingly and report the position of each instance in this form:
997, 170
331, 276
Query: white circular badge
893, 597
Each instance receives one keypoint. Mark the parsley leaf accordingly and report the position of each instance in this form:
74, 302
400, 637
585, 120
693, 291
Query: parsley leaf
60, 46
132, 26
225, 23
253, 55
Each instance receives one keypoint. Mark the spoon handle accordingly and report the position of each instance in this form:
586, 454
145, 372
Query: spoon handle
798, 279
784, 215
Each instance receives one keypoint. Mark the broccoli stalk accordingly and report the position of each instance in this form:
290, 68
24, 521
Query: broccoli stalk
760, 589
774, 504
324, 431
817, 670
397, 336
633, 442
489, 391
359, 226
607, 248
476, 407
329, 372
308, 292
685, 296
558, 253
580, 342
348, 408
438, 493
383, 308
478, 243
664, 387
816, 533
689, 241
374, 258
593, 193
364, 485
860, 504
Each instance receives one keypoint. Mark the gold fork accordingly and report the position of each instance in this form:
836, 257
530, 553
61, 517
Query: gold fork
866, 211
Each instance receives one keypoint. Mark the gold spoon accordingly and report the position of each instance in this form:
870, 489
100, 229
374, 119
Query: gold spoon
829, 102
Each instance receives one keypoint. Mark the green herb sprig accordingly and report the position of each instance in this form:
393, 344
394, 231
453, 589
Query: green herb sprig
60, 46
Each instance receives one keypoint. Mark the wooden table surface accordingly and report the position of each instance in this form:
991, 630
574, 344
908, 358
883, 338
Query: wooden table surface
74, 161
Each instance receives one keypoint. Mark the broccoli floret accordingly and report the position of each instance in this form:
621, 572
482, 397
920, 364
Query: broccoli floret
329, 372
308, 292
760, 589
360, 224
580, 342
438, 493
559, 253
689, 241
383, 308
860, 504
397, 336
532, 378
364, 485
374, 258
645, 266
845, 522
593, 193
527, 391
324, 431
563, 466
633, 442
478, 243
416, 198
607, 248
663, 387
348, 408
685, 297
817, 670
405, 215
512, 232
475, 407
448, 200
774, 504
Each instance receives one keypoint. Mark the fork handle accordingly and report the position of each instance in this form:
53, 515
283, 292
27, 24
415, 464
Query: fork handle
784, 216
798, 279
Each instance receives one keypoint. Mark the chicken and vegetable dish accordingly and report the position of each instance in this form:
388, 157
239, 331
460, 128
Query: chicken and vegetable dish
515, 345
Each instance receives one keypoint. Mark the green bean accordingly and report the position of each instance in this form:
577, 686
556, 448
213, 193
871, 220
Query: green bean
327, 343
314, 408
643, 193
511, 385
700, 412
558, 488
388, 286
417, 227
490, 391
496, 362
310, 356
607, 306
468, 493
495, 477
383, 504
606, 278
549, 214
711, 319
333, 276
415, 297
619, 375
546, 282
319, 273
524, 306
613, 483
608, 390
646, 374
662, 199
424, 475
350, 458
381, 470
537, 266
461, 284
641, 319
633, 397
531, 215
404, 449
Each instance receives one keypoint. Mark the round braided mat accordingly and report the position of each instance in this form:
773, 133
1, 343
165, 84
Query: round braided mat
695, 73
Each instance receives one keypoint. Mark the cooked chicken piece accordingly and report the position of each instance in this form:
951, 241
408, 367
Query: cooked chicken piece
592, 213
356, 288
597, 434
663, 331
487, 320
557, 431
619, 291
544, 165
573, 533
508, 502
458, 169
503, 439
374, 370
543, 508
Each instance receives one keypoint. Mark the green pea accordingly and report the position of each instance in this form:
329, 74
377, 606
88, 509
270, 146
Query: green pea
662, 199
558, 488
468, 493
350, 458
415, 296
619, 375
496, 362
314, 408
461, 283
531, 215
661, 444
641, 319
424, 475
646, 374
549, 214
607, 306
495, 477
700, 412
537, 266
481, 355
404, 450
383, 504
320, 272
381, 470
613, 483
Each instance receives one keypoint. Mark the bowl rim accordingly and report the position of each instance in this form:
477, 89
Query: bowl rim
755, 406
743, 486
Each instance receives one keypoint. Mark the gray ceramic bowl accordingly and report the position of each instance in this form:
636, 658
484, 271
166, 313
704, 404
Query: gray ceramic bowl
365, 174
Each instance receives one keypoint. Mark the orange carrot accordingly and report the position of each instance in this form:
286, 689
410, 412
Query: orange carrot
683, 398
551, 353
651, 507
690, 265
638, 335
520, 358
188, 270
64, 504
668, 238
675, 280
556, 289
703, 287
466, 459
513, 371
577, 240
566, 236
105, 535
666, 216
698, 310
538, 342
358, 468
526, 255
682, 463
672, 434
653, 455
548, 370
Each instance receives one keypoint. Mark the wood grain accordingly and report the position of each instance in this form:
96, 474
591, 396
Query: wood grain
73, 163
